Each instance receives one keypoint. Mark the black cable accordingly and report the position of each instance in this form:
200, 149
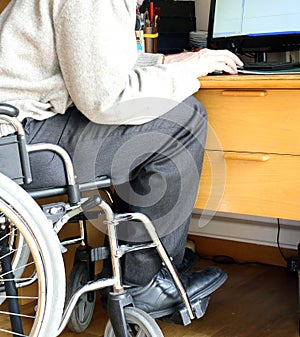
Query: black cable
225, 259
277, 240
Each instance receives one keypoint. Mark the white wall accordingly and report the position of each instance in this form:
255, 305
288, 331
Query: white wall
245, 228
202, 12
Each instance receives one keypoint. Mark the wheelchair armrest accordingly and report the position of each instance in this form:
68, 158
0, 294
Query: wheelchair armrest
13, 151
9, 110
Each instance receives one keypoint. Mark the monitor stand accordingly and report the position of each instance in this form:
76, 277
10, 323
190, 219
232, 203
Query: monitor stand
261, 57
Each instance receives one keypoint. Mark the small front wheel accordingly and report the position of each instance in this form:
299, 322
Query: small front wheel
139, 324
83, 312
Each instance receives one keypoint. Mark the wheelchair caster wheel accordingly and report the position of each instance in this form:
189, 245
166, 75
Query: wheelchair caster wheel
139, 324
84, 309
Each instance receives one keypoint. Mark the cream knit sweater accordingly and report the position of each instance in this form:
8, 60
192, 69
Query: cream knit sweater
54, 53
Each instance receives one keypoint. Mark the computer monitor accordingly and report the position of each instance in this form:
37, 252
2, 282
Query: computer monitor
254, 26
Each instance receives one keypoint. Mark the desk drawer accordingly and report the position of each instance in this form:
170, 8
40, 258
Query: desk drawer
262, 120
248, 183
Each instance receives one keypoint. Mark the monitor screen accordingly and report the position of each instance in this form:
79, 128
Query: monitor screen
254, 25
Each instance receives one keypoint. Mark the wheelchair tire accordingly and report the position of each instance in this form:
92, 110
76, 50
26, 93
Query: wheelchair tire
82, 314
139, 324
41, 287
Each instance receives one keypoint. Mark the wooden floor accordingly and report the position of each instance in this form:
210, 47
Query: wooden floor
255, 301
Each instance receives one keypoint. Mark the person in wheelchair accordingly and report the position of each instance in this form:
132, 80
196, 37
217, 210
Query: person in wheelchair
72, 69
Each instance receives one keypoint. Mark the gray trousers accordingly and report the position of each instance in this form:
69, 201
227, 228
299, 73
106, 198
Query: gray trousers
155, 169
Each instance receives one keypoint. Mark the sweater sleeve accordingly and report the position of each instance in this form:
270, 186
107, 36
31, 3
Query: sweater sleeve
148, 59
101, 67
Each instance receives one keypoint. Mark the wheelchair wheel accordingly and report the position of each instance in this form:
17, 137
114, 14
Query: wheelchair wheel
19, 255
139, 323
33, 301
84, 309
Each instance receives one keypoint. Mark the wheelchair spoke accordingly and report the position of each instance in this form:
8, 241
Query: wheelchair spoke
14, 334
21, 267
21, 297
15, 250
20, 315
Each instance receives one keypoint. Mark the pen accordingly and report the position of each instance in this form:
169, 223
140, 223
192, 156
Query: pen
151, 11
155, 20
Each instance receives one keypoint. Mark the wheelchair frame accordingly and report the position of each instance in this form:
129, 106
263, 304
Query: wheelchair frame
120, 304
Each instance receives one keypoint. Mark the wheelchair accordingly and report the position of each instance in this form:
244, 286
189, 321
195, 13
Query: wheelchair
35, 298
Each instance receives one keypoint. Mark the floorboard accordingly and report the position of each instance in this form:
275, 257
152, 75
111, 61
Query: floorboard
255, 301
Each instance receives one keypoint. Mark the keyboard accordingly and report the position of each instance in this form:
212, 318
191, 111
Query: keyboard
270, 65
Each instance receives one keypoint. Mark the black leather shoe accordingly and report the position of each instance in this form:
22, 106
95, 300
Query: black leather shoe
160, 297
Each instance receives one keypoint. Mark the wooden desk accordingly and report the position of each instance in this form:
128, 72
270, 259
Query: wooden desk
252, 159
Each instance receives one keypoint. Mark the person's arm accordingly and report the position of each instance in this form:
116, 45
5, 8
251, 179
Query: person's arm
101, 67
149, 59
97, 54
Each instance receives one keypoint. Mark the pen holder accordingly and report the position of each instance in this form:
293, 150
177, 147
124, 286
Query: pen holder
150, 39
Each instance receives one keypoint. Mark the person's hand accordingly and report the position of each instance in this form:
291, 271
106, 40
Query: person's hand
207, 61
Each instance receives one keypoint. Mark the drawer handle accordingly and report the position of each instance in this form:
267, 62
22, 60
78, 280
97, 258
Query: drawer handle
244, 93
247, 157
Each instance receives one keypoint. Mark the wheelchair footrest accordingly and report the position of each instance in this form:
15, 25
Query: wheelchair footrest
99, 253
199, 308
182, 316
